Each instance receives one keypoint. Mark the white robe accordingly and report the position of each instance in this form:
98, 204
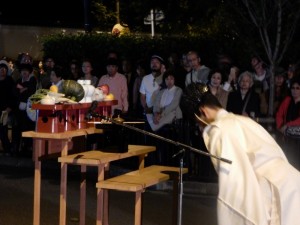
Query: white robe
260, 187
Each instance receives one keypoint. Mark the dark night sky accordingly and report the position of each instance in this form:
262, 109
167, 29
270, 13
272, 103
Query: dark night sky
44, 13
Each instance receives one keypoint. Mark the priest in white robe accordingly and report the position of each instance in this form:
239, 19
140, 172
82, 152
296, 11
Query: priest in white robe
259, 186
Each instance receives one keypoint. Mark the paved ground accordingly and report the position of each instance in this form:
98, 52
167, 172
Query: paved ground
16, 198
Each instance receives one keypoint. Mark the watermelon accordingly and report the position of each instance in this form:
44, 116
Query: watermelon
73, 90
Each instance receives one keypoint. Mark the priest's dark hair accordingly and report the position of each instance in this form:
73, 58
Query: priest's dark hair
209, 100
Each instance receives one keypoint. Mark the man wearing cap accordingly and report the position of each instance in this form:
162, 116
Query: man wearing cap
257, 185
151, 83
117, 85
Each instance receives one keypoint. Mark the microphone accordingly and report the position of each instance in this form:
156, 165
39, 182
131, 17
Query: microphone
121, 122
92, 111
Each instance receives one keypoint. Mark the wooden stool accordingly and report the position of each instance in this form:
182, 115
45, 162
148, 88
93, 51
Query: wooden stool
137, 181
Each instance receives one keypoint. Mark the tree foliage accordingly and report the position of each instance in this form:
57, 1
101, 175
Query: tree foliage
272, 23
269, 23
181, 16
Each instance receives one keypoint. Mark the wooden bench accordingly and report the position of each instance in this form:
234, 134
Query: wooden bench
137, 181
101, 160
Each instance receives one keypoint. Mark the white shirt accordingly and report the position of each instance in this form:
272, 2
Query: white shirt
167, 96
148, 86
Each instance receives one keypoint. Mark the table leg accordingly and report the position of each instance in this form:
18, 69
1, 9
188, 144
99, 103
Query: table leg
142, 161
138, 208
63, 185
82, 195
100, 197
38, 146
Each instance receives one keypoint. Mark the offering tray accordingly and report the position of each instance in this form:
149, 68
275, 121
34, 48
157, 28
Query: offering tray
68, 116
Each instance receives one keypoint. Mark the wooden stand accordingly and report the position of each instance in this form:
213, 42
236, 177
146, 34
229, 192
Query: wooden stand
101, 160
136, 181
57, 143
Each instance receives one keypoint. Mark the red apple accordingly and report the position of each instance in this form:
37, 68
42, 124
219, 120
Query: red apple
104, 88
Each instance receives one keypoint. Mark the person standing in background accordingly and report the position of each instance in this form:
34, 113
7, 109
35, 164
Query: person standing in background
137, 108
74, 70
56, 78
199, 73
151, 83
8, 104
117, 86
130, 77
87, 69
166, 106
215, 84
244, 101
26, 86
44, 81
288, 122
261, 85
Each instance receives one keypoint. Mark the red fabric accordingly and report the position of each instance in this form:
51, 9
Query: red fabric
282, 112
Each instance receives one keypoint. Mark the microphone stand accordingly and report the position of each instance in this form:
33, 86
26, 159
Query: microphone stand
180, 185
120, 121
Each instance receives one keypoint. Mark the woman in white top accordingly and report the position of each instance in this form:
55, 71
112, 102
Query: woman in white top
166, 103
87, 69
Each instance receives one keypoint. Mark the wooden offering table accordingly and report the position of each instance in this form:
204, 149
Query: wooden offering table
56, 143
101, 160
56, 126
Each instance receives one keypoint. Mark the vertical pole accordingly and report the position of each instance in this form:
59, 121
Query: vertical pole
180, 186
118, 10
152, 22
87, 13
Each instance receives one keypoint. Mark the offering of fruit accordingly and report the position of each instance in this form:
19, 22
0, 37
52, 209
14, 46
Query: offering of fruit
109, 97
53, 88
104, 88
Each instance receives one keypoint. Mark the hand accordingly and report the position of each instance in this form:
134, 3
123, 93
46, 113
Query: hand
23, 89
156, 118
19, 86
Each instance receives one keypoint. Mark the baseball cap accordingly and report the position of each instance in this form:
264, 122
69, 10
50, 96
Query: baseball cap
159, 58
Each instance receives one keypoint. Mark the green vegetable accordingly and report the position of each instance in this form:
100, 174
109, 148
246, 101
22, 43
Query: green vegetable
42, 91
38, 95
73, 90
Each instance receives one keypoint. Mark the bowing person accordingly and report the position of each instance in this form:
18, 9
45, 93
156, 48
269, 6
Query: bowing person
260, 186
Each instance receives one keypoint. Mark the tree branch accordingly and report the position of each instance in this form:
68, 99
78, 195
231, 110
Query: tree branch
278, 33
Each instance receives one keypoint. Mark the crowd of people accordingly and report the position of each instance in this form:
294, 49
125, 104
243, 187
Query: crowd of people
152, 89
258, 185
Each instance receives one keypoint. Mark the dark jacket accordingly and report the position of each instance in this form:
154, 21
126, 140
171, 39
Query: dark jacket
251, 102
